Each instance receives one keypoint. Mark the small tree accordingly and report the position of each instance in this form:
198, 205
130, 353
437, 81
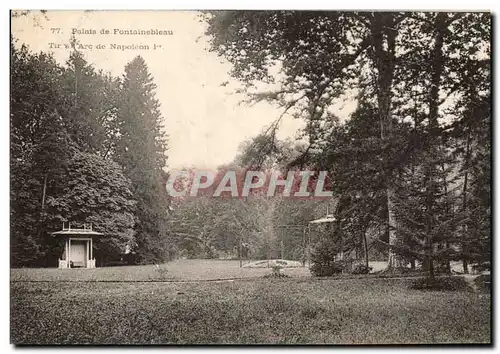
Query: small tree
324, 257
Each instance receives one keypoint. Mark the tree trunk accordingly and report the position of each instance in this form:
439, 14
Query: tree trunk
464, 203
282, 249
447, 261
365, 248
239, 252
44, 191
448, 209
394, 260
437, 69
41, 225
384, 36
336, 228
431, 261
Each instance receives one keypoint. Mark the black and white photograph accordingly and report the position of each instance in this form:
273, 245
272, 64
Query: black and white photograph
250, 177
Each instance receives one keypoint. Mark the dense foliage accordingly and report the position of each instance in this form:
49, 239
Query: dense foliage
85, 148
440, 284
411, 165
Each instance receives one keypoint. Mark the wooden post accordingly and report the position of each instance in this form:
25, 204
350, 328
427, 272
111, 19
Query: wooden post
240, 250
365, 248
309, 244
66, 253
341, 247
91, 257
87, 255
282, 245
304, 249
69, 252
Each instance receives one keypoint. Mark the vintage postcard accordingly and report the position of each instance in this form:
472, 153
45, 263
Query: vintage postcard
250, 177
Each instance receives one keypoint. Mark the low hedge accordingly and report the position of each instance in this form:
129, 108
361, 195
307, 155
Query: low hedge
440, 284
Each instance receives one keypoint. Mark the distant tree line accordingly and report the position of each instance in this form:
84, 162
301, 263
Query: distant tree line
257, 226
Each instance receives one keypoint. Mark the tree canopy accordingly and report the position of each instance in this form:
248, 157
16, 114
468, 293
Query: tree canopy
86, 147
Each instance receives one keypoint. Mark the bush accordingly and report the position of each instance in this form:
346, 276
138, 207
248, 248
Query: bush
327, 269
440, 284
361, 269
483, 282
190, 253
161, 270
481, 267
211, 252
276, 273
323, 263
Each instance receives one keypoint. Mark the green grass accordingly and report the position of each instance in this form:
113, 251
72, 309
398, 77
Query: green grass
180, 270
291, 310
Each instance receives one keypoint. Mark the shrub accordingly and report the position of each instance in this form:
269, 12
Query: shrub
481, 267
440, 284
327, 269
323, 263
161, 270
276, 273
483, 282
361, 269
211, 252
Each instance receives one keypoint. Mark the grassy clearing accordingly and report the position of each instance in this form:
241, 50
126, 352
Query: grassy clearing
291, 310
180, 270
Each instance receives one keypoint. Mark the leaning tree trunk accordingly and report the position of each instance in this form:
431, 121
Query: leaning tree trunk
44, 192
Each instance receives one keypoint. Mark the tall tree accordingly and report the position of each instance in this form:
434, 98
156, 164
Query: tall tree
408, 65
451, 53
56, 171
90, 106
40, 149
321, 56
141, 151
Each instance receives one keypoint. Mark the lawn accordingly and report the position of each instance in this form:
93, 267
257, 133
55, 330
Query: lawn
290, 310
179, 270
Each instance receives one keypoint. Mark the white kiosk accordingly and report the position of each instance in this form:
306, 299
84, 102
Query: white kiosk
77, 247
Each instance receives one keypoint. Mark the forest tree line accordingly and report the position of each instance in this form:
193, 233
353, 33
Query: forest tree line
86, 147
414, 157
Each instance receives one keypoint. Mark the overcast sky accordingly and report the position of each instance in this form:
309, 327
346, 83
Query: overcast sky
204, 120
